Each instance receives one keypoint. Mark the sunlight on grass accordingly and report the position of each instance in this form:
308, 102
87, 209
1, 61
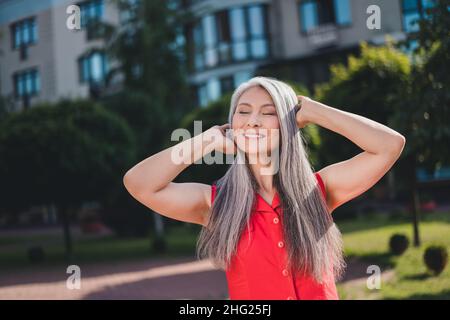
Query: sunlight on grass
411, 279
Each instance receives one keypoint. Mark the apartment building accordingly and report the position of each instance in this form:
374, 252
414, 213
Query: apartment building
227, 43
41, 58
233, 40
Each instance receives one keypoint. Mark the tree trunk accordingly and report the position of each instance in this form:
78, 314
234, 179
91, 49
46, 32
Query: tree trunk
65, 219
159, 243
415, 202
391, 185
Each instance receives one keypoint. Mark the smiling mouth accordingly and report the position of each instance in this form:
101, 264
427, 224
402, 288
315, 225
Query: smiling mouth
253, 136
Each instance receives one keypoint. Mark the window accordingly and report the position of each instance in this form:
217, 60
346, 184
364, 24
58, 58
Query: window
26, 83
258, 41
224, 36
208, 91
343, 12
24, 33
214, 88
314, 13
128, 10
93, 67
202, 95
210, 40
241, 76
414, 10
91, 11
226, 84
237, 34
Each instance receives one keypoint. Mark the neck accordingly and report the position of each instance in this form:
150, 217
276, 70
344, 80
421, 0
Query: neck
265, 181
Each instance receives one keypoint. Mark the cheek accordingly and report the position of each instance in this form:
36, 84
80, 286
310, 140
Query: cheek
271, 123
238, 121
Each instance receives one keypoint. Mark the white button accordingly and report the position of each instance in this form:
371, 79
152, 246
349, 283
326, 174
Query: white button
290, 298
285, 272
281, 244
276, 220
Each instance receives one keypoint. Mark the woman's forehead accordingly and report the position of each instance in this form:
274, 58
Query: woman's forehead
255, 96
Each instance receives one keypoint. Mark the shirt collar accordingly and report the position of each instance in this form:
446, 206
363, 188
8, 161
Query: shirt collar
262, 205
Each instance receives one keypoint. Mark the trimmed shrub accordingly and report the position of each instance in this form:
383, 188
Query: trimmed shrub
436, 258
398, 244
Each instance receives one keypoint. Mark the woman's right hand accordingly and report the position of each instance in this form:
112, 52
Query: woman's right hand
220, 139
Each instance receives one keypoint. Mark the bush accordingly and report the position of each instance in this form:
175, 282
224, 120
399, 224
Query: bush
36, 254
398, 244
435, 258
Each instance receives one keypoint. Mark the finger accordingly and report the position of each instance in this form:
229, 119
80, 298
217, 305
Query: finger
224, 128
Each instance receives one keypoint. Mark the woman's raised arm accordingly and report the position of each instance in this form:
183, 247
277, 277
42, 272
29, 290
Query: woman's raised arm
150, 181
347, 179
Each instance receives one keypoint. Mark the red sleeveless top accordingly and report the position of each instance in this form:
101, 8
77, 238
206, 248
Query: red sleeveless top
258, 269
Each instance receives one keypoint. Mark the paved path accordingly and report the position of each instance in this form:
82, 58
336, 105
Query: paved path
174, 279
177, 278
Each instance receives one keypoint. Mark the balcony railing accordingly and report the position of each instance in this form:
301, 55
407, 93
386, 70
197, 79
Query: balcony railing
323, 35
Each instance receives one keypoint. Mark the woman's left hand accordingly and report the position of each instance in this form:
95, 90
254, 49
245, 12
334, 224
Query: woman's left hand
301, 115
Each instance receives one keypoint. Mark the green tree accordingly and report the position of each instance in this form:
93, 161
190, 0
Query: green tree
63, 154
148, 50
426, 122
372, 85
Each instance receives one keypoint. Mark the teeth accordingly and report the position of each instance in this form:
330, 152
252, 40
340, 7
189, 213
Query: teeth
253, 135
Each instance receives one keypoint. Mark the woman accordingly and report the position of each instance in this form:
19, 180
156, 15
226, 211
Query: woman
267, 221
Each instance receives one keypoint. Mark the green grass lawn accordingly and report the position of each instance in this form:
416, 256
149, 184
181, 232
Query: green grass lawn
181, 241
365, 238
368, 240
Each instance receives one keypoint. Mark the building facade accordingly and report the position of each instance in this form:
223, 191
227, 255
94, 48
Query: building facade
227, 42
41, 58
234, 40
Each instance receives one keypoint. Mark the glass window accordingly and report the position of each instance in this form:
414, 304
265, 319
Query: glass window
256, 21
259, 48
27, 83
210, 40
414, 10
224, 35
208, 92
91, 10
226, 84
343, 11
410, 21
24, 32
314, 13
198, 46
202, 95
258, 43
238, 34
213, 87
410, 5
308, 15
241, 76
93, 67
426, 4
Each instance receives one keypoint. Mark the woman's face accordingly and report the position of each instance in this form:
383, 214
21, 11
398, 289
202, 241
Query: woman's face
255, 122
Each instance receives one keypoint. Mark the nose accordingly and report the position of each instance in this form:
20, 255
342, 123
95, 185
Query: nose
254, 121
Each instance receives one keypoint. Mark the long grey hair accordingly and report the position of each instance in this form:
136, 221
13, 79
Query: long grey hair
313, 242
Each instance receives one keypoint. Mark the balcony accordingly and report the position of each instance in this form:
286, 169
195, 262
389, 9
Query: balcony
323, 36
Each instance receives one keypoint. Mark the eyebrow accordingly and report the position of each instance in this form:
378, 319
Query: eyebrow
264, 105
